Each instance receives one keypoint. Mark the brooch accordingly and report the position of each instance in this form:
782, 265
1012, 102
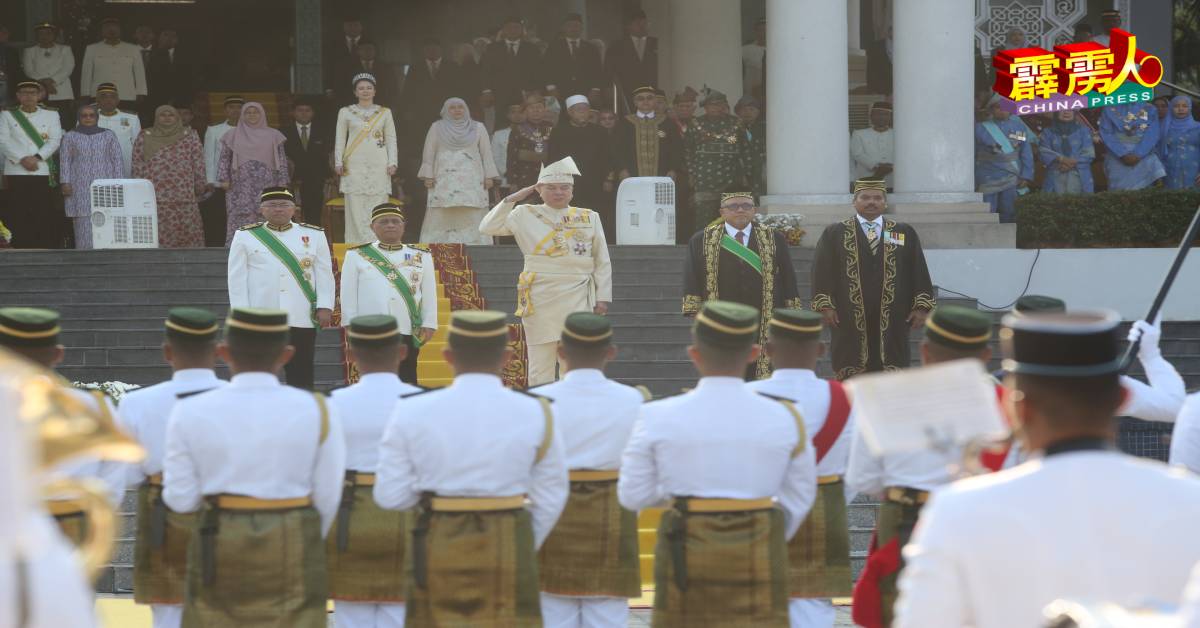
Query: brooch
661, 134
306, 262
392, 276
304, 239
580, 248
732, 139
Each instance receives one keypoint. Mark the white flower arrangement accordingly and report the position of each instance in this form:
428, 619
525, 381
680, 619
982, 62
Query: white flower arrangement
790, 225
116, 390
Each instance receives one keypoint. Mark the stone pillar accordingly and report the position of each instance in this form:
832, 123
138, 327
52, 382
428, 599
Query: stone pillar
808, 144
307, 72
706, 45
934, 108
854, 27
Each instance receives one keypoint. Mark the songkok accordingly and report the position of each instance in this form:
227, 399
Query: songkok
375, 330
586, 329
1032, 303
387, 209
234, 100
561, 171
713, 97
109, 20
106, 88
747, 101
577, 99
687, 95
645, 89
736, 189
276, 193
512, 19
726, 325
796, 324
255, 323
363, 76
957, 327
882, 106
1078, 344
25, 84
870, 184
45, 26
28, 327
660, 92
477, 329
192, 323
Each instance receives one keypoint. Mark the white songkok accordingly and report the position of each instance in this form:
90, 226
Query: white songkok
577, 99
561, 171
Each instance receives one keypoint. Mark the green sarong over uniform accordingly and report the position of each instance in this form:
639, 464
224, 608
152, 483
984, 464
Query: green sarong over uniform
160, 550
369, 565
593, 549
733, 565
895, 521
819, 554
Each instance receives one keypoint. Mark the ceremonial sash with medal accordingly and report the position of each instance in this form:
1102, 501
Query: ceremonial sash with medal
742, 252
289, 261
37, 140
363, 134
392, 274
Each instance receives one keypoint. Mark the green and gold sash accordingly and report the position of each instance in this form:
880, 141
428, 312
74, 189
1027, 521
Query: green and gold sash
289, 261
38, 140
742, 252
392, 274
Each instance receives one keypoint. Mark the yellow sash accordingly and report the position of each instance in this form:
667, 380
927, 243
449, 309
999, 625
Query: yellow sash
363, 134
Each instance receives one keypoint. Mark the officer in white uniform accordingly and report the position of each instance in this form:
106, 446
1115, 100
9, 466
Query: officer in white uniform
213, 135
1081, 521
51, 64
280, 264
371, 274
124, 124
31, 213
190, 348
794, 346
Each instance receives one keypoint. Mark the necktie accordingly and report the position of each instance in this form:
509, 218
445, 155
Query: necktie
512, 49
571, 44
433, 69
741, 237
873, 238
304, 136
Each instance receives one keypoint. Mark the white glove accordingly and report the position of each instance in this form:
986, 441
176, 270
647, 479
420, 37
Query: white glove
1150, 335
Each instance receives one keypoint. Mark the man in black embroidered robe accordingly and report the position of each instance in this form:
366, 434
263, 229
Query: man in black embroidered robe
871, 284
737, 259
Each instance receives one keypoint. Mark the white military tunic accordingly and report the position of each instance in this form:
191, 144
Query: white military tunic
868, 149
212, 149
992, 551
120, 65
258, 279
445, 441
127, 127
1185, 440
55, 63
16, 145
367, 291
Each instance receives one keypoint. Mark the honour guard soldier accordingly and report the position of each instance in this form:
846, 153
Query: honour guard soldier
29, 139
160, 551
124, 124
396, 279
365, 549
285, 265
740, 474
819, 554
486, 498
262, 464
1079, 521
589, 564
566, 262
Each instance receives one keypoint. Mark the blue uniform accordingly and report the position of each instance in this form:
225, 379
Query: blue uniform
1131, 130
1003, 156
1072, 141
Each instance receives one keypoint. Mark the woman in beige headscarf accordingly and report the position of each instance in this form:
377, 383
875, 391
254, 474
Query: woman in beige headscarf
170, 155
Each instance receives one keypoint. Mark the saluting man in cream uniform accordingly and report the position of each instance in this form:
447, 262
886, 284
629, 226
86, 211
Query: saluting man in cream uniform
124, 124
567, 268
369, 284
280, 264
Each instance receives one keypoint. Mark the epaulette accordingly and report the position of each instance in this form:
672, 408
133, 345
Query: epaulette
305, 224
420, 247
359, 246
776, 397
185, 395
251, 226
419, 392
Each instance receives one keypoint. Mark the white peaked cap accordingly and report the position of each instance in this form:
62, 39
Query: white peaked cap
577, 99
561, 171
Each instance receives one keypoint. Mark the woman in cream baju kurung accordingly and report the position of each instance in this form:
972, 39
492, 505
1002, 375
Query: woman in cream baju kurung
364, 156
459, 169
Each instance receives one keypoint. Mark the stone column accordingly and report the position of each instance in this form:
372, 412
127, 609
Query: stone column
808, 144
706, 45
854, 27
934, 108
307, 76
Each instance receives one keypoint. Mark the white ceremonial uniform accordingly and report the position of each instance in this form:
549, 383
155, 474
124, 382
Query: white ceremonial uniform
253, 437
144, 413
868, 149
811, 396
923, 470
365, 408
212, 149
127, 127
367, 291
594, 416
719, 440
1162, 399
16, 145
500, 152
444, 441
567, 269
258, 279
120, 65
992, 551
1185, 439
55, 63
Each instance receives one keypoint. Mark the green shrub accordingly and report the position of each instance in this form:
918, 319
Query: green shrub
1153, 217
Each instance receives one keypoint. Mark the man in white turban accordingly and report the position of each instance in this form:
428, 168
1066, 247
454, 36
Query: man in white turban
566, 262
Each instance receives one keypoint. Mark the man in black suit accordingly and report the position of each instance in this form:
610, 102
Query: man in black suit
172, 72
387, 80
511, 65
572, 63
307, 147
430, 82
632, 61
341, 54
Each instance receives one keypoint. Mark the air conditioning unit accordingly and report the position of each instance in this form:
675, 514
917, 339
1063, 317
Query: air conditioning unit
646, 211
124, 214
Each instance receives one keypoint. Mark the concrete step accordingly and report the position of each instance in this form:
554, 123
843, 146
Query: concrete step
82, 281
151, 295
133, 356
327, 375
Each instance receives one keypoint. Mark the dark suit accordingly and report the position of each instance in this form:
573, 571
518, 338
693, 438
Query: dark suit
339, 61
170, 79
629, 72
506, 75
425, 93
310, 167
573, 74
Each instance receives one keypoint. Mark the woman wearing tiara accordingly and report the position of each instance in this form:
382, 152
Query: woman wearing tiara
364, 156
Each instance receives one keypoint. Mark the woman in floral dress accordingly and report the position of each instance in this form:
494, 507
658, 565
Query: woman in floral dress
170, 155
364, 156
459, 169
87, 153
252, 158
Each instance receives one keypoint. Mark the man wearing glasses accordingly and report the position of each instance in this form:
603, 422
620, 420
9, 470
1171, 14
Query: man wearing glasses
737, 259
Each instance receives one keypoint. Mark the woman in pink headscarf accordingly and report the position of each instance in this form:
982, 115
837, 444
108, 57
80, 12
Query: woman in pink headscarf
252, 158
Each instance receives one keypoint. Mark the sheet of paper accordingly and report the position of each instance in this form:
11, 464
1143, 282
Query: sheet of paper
933, 407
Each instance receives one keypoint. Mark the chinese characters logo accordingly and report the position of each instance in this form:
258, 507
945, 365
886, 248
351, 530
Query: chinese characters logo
1075, 69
